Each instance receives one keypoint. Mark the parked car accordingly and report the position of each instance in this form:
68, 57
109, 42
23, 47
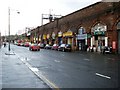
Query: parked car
107, 50
55, 47
34, 47
42, 45
64, 47
26, 44
48, 46
22, 44
18, 44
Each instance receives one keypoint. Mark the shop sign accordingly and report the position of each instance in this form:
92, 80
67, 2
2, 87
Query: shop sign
60, 34
44, 36
99, 33
89, 36
34, 38
53, 35
114, 45
81, 36
39, 39
48, 36
68, 33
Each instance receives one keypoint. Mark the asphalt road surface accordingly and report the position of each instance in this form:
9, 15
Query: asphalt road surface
71, 69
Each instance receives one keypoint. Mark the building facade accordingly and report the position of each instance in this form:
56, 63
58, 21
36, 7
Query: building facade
96, 25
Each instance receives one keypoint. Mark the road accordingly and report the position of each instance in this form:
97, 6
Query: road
71, 69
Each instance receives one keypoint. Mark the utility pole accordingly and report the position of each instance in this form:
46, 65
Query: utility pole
9, 26
49, 17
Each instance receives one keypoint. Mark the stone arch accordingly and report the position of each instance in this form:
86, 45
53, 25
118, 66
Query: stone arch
117, 24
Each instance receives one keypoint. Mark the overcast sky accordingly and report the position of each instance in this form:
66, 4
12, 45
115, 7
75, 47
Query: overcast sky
31, 10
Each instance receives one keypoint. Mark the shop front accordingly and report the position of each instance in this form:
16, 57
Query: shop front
44, 37
48, 39
118, 30
81, 42
81, 39
53, 38
68, 36
60, 41
98, 39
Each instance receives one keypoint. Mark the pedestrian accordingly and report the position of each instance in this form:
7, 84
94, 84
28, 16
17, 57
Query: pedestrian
4, 44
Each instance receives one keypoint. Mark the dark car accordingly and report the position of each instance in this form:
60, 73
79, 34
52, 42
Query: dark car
55, 47
107, 50
64, 47
47, 46
34, 47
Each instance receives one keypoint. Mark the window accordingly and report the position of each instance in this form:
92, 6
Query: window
99, 27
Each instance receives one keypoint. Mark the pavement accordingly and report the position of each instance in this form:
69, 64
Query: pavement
15, 74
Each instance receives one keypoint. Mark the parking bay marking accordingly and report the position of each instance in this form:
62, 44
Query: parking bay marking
87, 59
98, 74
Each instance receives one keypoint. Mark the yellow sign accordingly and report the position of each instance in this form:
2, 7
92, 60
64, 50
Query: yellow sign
44, 36
59, 34
68, 33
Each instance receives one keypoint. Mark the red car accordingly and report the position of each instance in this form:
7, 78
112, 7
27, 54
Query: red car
34, 47
18, 44
26, 44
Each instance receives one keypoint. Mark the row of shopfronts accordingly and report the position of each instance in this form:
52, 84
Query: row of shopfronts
103, 31
80, 39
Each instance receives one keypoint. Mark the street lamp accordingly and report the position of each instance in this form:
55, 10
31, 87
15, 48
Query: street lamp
9, 26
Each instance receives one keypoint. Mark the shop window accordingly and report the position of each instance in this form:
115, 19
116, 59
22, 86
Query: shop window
99, 27
96, 37
81, 30
118, 25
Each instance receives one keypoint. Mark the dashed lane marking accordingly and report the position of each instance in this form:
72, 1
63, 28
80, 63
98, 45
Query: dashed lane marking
101, 75
56, 61
87, 59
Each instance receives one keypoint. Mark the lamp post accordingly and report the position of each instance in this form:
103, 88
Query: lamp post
9, 26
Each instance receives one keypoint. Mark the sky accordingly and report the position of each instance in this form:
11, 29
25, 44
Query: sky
31, 12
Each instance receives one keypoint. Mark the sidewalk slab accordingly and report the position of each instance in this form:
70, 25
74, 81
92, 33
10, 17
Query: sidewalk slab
16, 75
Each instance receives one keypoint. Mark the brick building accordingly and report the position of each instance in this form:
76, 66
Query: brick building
96, 25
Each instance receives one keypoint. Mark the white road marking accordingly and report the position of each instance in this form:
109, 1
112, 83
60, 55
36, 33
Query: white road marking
56, 61
37, 73
34, 69
87, 59
103, 76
